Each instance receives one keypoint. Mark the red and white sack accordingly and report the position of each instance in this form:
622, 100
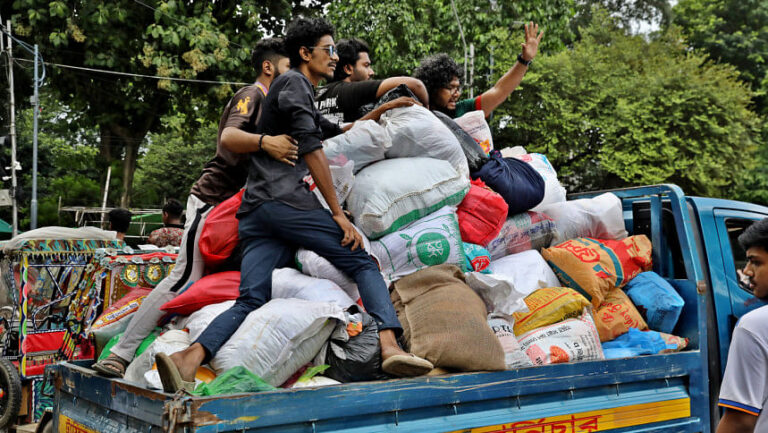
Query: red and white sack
571, 340
522, 232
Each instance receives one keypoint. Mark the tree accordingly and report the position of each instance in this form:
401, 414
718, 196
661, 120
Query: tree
187, 40
618, 110
628, 13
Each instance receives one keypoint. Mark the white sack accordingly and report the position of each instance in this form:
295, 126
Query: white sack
553, 190
290, 283
343, 179
415, 131
365, 143
476, 126
277, 339
168, 343
526, 271
497, 292
432, 240
567, 341
513, 356
200, 319
600, 217
393, 193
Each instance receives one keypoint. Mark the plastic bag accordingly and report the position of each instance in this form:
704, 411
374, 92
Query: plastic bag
476, 155
311, 378
391, 194
168, 343
522, 232
219, 236
517, 182
635, 343
365, 143
416, 132
481, 214
275, 340
600, 217
236, 380
358, 358
145, 343
290, 283
430, 241
594, 267
343, 178
567, 341
617, 315
476, 126
553, 190
497, 292
548, 306
478, 258
657, 300
513, 355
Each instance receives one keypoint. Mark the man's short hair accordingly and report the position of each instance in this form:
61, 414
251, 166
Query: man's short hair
173, 208
271, 49
436, 72
305, 32
120, 219
755, 235
349, 53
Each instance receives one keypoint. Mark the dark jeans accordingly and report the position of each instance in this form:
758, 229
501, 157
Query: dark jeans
270, 235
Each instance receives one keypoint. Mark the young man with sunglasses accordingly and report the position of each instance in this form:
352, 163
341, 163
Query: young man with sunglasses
442, 76
352, 85
279, 213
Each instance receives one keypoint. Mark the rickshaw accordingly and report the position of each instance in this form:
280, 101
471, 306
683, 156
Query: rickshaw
52, 290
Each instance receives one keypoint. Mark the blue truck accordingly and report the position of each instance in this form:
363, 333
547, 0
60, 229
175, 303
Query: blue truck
694, 247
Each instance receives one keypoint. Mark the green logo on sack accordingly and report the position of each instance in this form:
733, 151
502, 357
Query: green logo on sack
433, 249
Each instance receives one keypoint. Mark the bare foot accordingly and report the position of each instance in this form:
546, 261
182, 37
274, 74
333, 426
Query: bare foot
188, 361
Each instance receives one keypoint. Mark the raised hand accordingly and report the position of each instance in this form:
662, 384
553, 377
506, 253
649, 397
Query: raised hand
532, 40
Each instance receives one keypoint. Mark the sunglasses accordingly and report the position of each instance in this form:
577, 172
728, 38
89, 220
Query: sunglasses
332, 51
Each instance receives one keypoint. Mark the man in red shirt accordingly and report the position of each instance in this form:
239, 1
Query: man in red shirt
172, 231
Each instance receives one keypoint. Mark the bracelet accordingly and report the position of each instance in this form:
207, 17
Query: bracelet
521, 60
260, 140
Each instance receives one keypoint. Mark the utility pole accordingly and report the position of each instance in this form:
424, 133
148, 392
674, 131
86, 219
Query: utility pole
15, 223
36, 105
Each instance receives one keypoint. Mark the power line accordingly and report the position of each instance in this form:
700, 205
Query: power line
127, 74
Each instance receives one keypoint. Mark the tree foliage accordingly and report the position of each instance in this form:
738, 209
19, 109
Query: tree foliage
618, 110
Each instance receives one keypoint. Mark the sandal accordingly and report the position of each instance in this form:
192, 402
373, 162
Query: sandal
408, 365
170, 376
111, 366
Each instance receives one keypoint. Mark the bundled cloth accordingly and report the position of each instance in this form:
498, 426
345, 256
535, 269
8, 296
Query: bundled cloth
553, 190
519, 183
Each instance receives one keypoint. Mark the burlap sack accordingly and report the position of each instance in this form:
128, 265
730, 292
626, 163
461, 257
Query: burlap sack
616, 315
444, 321
593, 267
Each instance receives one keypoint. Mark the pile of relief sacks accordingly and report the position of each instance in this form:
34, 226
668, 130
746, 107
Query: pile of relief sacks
489, 268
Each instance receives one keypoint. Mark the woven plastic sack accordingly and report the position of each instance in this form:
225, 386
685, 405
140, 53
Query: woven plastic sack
478, 259
290, 283
416, 132
553, 190
116, 318
432, 240
599, 217
593, 267
211, 289
522, 232
635, 343
513, 355
657, 300
476, 126
365, 143
548, 306
481, 214
571, 340
343, 179
617, 315
527, 271
233, 381
517, 182
199, 320
393, 193
219, 236
476, 155
275, 340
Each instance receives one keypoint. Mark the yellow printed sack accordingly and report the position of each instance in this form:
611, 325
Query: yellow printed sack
548, 306
593, 267
616, 315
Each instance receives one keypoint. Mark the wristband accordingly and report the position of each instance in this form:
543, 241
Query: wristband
521, 60
260, 140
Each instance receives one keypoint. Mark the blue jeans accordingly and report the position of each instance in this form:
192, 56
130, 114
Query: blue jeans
270, 235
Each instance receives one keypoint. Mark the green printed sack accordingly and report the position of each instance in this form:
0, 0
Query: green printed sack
430, 241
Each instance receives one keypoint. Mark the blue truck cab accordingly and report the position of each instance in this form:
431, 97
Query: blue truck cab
694, 247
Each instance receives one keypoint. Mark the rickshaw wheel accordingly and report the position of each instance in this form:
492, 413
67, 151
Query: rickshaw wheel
10, 385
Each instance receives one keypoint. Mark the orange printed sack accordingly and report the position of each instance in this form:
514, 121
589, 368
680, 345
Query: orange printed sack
548, 306
616, 315
593, 267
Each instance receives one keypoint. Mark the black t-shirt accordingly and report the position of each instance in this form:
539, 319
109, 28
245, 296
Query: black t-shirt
225, 174
340, 101
289, 108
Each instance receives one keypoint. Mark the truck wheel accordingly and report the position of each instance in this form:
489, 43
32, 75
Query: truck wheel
10, 392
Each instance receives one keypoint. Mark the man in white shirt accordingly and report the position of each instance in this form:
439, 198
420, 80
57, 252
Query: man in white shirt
744, 390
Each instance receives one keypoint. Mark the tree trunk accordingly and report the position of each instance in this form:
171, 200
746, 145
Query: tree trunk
129, 168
